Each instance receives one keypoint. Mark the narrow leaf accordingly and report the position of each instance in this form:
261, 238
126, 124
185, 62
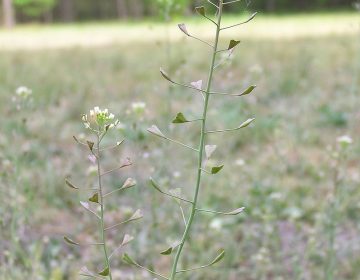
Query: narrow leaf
126, 258
219, 257
233, 44
156, 131
165, 75
94, 198
180, 118
248, 90
201, 10
236, 211
209, 150
105, 272
183, 28
70, 184
70, 241
129, 183
216, 169
197, 84
246, 123
127, 239
90, 144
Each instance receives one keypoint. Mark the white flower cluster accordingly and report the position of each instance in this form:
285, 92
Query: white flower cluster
23, 92
344, 141
138, 107
102, 118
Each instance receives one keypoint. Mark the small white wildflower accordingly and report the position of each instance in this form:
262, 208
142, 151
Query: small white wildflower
102, 118
138, 107
216, 224
176, 174
345, 140
23, 92
240, 162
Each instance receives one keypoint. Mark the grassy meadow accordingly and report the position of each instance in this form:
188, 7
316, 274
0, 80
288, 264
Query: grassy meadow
307, 72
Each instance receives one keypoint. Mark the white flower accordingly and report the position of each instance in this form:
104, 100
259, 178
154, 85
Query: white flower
344, 140
216, 224
23, 92
240, 162
138, 107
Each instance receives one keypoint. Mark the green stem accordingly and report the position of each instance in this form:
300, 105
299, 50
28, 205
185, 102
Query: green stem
201, 149
103, 238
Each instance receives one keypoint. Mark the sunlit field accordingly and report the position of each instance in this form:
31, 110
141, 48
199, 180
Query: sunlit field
307, 72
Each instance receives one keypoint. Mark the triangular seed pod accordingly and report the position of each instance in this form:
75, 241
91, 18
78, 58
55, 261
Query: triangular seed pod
201, 11
70, 241
183, 28
180, 118
219, 257
233, 44
156, 131
105, 272
216, 169
209, 150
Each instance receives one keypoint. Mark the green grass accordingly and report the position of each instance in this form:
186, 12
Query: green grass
307, 95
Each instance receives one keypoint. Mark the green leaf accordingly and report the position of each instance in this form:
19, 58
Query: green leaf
219, 257
105, 272
156, 131
70, 184
248, 90
126, 258
90, 144
183, 28
180, 118
165, 75
94, 198
233, 44
246, 123
201, 10
70, 241
216, 169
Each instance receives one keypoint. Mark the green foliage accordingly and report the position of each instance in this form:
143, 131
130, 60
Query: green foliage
34, 8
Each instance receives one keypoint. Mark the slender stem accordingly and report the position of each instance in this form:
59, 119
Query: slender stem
201, 148
103, 238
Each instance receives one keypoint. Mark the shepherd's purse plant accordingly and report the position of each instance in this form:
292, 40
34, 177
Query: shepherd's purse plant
99, 123
204, 150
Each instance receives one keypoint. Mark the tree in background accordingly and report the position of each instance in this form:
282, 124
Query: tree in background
8, 13
34, 8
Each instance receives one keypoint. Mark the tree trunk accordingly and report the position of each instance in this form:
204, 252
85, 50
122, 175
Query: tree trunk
67, 10
121, 9
137, 8
9, 16
271, 5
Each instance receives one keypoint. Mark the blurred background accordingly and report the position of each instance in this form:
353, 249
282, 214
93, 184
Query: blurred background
296, 169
